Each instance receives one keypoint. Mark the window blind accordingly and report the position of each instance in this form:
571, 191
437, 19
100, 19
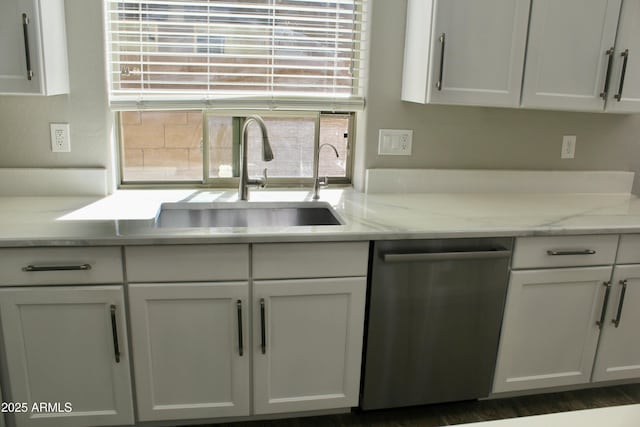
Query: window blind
272, 54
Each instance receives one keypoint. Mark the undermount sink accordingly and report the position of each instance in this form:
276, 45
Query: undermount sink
245, 214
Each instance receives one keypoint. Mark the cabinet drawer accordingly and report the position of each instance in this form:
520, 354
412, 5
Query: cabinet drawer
187, 263
308, 260
565, 251
60, 266
629, 251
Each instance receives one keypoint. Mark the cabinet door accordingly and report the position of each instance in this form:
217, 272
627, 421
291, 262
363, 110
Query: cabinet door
187, 355
549, 331
35, 64
624, 96
480, 48
619, 349
567, 59
307, 343
14, 77
61, 346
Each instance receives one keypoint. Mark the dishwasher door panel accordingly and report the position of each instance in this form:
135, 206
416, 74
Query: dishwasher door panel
434, 326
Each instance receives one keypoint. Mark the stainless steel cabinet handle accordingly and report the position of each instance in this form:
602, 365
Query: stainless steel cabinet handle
263, 333
114, 331
35, 268
600, 322
625, 55
580, 252
25, 31
240, 347
605, 91
443, 256
616, 321
442, 46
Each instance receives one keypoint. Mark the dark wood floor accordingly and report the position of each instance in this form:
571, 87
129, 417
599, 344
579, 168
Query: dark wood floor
467, 412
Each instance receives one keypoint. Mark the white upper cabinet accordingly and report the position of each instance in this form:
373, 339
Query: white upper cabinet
570, 54
33, 48
465, 52
624, 93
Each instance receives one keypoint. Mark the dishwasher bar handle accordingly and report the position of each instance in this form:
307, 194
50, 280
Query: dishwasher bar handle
445, 256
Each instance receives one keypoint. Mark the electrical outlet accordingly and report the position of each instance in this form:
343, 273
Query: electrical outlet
568, 147
60, 137
395, 142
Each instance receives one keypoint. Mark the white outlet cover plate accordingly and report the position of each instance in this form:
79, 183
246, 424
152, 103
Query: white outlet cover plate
568, 147
395, 142
60, 137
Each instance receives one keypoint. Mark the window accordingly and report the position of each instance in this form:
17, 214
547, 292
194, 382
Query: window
182, 72
167, 146
236, 54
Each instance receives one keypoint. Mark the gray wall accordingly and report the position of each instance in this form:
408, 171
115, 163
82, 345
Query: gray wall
444, 137
24, 120
475, 137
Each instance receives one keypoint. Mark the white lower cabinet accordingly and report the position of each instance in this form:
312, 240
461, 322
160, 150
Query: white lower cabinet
289, 335
619, 349
550, 329
67, 345
307, 343
190, 349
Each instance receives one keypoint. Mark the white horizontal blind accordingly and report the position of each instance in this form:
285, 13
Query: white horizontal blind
275, 54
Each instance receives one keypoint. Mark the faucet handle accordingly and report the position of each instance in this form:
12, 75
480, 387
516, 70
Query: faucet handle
323, 181
260, 182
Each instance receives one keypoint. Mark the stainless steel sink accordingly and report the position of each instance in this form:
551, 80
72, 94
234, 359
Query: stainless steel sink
246, 214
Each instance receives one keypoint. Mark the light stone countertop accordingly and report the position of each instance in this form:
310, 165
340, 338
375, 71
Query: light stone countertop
127, 217
612, 416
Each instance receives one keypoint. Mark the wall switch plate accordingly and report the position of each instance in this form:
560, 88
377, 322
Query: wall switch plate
60, 137
568, 147
395, 142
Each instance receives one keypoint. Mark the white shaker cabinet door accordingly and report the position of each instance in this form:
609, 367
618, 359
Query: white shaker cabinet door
619, 349
624, 95
549, 333
190, 349
67, 344
307, 343
567, 54
465, 52
33, 47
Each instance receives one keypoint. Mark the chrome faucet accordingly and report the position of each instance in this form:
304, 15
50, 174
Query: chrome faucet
267, 156
317, 181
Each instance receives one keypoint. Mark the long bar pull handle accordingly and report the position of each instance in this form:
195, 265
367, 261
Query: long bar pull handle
625, 55
25, 31
605, 91
114, 331
263, 333
444, 256
36, 268
442, 46
581, 252
240, 340
600, 322
616, 321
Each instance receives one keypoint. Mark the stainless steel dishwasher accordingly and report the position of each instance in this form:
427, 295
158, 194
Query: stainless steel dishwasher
434, 315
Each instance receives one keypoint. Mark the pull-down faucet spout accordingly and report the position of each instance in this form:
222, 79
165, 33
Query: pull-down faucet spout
267, 156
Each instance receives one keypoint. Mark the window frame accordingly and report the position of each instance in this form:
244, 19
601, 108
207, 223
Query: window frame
216, 182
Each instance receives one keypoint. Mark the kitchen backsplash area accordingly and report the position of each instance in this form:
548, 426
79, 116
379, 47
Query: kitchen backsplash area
444, 136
